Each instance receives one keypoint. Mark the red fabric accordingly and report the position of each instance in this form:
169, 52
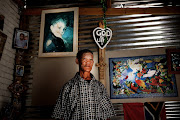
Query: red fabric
163, 113
133, 111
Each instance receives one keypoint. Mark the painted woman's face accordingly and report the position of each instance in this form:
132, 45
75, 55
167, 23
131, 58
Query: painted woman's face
58, 29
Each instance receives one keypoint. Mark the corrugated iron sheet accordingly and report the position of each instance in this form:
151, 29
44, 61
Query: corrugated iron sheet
143, 3
133, 31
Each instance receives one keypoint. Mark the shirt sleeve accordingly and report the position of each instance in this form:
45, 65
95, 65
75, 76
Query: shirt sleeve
106, 104
62, 104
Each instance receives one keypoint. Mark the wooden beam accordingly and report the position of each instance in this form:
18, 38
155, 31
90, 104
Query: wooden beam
115, 11
108, 3
33, 11
128, 11
20, 3
102, 63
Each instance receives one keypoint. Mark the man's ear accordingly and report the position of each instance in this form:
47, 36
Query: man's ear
77, 61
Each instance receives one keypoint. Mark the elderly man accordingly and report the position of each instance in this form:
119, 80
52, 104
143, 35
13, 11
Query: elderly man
83, 97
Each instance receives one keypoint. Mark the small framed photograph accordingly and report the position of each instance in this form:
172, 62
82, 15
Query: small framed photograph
59, 32
21, 39
19, 70
173, 61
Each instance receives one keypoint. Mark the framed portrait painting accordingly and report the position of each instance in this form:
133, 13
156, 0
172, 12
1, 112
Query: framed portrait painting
21, 39
141, 77
59, 32
173, 61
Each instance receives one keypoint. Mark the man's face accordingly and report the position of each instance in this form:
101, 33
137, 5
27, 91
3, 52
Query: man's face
21, 37
86, 62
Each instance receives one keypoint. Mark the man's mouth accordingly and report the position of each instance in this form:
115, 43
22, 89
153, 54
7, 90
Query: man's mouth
86, 66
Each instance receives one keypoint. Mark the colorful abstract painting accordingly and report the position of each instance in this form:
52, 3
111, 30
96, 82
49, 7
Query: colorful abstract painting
140, 77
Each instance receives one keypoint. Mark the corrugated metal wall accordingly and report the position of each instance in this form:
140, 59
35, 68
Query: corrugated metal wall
172, 110
143, 3
133, 31
96, 3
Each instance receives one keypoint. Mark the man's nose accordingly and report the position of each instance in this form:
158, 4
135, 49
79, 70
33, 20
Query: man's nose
88, 62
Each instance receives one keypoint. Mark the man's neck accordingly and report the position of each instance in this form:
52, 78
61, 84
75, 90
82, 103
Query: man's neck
85, 75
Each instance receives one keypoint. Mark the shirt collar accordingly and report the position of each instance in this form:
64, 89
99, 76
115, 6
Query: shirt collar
81, 79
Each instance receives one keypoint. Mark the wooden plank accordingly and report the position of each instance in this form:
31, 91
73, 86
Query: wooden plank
108, 3
114, 11
19, 2
86, 41
34, 11
128, 11
81, 18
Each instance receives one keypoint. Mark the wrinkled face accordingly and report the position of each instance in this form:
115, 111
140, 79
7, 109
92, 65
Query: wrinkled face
58, 29
86, 62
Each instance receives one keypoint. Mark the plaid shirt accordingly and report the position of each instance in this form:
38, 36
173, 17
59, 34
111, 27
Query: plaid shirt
82, 100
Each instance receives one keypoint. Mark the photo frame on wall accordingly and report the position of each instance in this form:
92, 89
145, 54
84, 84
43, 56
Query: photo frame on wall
21, 39
19, 70
173, 61
59, 32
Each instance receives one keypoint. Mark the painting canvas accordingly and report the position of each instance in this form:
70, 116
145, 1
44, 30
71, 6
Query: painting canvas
59, 32
141, 77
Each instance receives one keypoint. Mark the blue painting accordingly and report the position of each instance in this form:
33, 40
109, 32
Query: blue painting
58, 32
141, 77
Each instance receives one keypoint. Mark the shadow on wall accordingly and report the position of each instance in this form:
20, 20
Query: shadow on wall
50, 74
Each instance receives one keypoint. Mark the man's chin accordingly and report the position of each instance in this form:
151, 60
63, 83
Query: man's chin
87, 70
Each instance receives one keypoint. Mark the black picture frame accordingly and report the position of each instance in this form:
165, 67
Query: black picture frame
3, 38
20, 39
173, 61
